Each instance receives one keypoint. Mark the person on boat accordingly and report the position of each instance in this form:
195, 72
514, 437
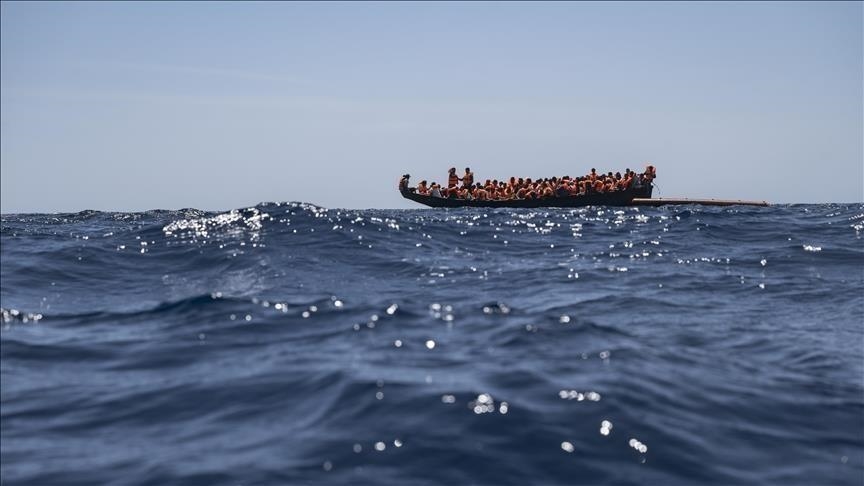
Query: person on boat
468, 178
650, 174
577, 188
599, 185
422, 189
403, 182
563, 190
452, 178
480, 193
435, 191
628, 179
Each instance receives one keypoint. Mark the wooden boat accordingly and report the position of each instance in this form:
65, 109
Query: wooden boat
616, 198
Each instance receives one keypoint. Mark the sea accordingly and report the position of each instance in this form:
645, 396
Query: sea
288, 343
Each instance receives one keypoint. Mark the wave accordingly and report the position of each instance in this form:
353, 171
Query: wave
290, 343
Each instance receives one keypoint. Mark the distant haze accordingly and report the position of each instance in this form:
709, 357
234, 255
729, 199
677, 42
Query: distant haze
133, 106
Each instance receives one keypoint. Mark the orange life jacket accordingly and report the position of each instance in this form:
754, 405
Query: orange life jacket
452, 180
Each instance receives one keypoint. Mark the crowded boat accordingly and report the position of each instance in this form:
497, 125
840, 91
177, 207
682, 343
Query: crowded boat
464, 187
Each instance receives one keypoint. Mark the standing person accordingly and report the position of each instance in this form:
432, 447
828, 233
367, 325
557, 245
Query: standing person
650, 174
452, 178
403, 182
468, 178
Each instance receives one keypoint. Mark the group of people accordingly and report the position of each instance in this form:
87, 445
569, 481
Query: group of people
527, 188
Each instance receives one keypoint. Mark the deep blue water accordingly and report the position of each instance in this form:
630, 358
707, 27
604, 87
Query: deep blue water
291, 344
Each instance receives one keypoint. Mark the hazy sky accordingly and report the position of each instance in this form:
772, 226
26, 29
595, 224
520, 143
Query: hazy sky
132, 106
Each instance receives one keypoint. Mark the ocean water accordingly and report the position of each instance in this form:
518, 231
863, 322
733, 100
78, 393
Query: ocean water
293, 344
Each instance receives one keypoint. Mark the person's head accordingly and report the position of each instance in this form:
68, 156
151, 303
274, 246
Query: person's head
467, 169
593, 170
452, 169
423, 183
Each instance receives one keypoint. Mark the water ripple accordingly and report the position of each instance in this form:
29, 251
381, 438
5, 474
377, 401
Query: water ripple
289, 343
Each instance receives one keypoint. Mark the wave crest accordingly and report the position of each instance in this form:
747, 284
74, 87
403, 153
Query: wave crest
237, 222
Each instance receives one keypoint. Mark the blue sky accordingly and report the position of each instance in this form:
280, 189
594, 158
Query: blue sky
133, 106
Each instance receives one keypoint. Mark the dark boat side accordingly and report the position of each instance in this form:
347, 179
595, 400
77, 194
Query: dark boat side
617, 198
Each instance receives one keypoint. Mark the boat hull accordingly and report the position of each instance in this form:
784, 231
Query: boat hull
617, 198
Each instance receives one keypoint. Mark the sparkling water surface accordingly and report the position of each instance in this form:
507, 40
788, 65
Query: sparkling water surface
292, 344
